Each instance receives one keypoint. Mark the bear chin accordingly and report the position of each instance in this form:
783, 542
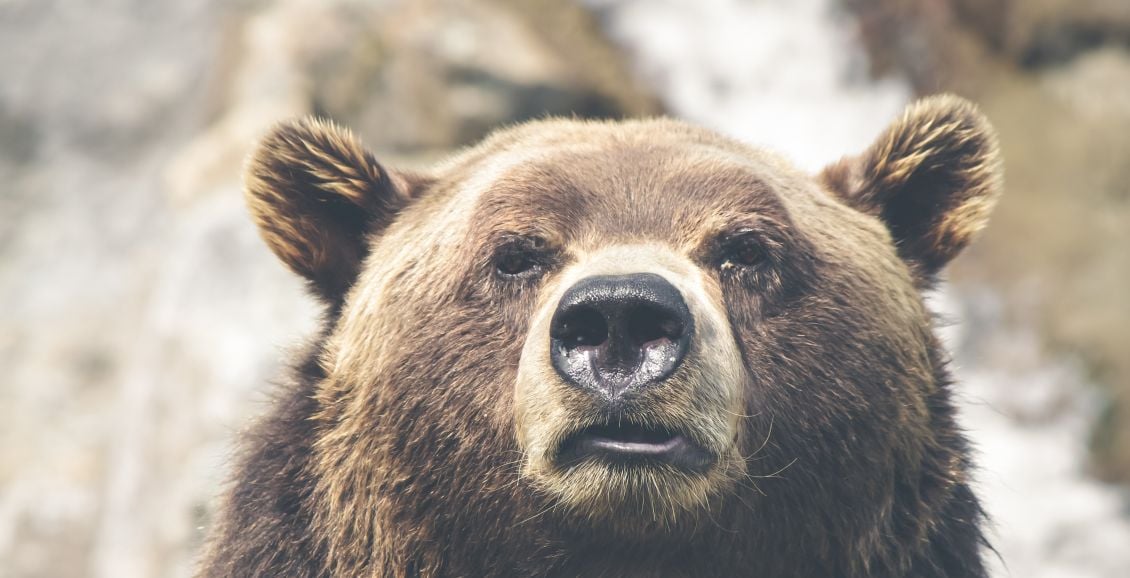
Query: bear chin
632, 499
650, 481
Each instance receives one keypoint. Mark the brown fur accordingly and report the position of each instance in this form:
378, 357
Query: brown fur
310, 173
933, 177
408, 444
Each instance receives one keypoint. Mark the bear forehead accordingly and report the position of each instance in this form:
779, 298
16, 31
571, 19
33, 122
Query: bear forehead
650, 178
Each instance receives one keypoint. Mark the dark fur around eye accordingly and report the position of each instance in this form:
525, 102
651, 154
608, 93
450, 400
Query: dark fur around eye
773, 264
521, 257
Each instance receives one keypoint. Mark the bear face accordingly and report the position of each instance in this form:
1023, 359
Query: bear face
642, 333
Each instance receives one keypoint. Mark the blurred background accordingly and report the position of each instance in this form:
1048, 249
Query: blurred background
143, 319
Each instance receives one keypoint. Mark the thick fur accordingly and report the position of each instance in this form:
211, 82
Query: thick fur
316, 194
933, 178
408, 442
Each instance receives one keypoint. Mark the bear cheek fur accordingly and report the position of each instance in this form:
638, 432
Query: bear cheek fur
843, 380
417, 409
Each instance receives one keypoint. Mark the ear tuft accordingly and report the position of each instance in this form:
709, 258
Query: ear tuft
932, 177
317, 194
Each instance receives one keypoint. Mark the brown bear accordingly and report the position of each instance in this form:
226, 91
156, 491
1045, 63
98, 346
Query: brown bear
629, 348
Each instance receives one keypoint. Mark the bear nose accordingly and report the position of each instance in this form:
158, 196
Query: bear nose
615, 333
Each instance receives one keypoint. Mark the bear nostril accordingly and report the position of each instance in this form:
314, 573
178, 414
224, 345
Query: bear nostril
581, 327
645, 325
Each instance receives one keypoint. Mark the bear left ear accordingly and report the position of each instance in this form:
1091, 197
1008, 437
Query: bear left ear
932, 177
318, 196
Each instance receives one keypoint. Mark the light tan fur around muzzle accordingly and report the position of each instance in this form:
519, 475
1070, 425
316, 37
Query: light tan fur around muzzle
701, 399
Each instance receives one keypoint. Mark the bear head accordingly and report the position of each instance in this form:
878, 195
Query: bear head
640, 332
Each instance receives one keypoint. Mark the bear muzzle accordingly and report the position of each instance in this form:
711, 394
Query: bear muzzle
613, 336
630, 387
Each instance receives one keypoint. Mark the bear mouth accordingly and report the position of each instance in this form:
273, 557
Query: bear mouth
633, 445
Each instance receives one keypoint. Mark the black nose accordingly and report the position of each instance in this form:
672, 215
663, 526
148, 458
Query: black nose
615, 333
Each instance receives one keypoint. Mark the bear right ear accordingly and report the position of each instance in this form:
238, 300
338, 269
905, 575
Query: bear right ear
317, 195
932, 178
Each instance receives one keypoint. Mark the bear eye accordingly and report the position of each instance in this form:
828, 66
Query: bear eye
743, 250
523, 257
514, 264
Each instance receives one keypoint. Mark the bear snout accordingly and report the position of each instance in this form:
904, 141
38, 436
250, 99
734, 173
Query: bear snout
629, 388
613, 335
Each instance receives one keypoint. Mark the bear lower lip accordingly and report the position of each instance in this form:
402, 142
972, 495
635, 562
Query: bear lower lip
630, 444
